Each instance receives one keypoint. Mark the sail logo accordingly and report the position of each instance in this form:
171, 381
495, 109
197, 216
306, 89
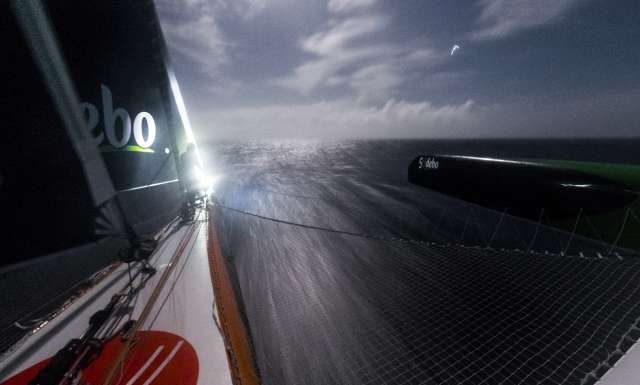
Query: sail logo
118, 126
428, 163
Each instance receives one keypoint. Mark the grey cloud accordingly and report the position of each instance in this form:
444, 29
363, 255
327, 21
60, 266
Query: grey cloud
345, 118
500, 18
192, 31
341, 119
343, 55
348, 5
334, 51
246, 9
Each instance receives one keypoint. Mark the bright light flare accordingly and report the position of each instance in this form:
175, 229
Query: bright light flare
206, 182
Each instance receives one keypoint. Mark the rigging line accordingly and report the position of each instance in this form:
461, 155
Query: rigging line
436, 228
517, 231
173, 286
573, 232
97, 276
529, 246
624, 223
163, 279
91, 332
495, 231
149, 185
466, 224
555, 233
312, 227
633, 214
148, 306
152, 180
130, 297
121, 293
535, 234
336, 231
164, 163
595, 231
130, 283
128, 293
97, 323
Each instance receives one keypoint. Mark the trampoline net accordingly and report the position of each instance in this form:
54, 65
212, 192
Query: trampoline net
351, 310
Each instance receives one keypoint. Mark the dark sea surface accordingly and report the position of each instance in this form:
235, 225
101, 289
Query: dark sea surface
366, 183
350, 275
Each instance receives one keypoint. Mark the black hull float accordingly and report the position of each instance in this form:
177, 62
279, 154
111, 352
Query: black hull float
522, 187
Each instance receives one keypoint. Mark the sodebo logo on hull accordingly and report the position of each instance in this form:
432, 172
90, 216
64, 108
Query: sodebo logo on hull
117, 124
430, 163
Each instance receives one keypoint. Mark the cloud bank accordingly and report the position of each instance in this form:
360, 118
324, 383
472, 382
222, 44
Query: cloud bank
368, 68
341, 119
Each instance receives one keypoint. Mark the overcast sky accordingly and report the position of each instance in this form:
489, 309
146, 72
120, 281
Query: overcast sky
388, 68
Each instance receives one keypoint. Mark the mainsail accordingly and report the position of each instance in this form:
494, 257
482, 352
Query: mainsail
95, 261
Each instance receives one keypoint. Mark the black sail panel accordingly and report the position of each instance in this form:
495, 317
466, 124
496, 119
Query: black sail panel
115, 53
92, 135
45, 200
518, 185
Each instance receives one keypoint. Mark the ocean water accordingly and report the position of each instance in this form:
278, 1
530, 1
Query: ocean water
387, 160
350, 275
366, 183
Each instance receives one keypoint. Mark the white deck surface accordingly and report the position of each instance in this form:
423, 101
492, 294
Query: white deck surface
626, 371
185, 308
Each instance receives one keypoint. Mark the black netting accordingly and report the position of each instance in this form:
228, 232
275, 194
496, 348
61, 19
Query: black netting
331, 308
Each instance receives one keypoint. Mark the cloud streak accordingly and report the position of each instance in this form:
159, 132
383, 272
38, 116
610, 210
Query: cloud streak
338, 6
342, 119
501, 18
246, 9
347, 119
192, 31
333, 50
351, 52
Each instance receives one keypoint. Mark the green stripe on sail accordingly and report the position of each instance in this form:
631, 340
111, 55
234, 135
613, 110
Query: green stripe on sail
126, 149
625, 174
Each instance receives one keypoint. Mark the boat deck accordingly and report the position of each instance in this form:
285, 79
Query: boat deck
184, 308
